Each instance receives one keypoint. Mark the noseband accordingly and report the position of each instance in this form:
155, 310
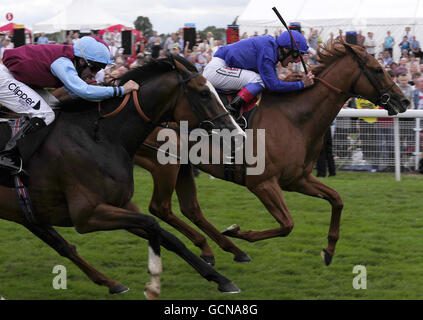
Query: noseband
383, 97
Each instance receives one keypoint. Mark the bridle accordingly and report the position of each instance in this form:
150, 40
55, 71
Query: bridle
208, 124
383, 97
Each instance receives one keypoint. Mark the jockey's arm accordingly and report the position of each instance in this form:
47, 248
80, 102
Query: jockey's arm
62, 95
64, 69
268, 74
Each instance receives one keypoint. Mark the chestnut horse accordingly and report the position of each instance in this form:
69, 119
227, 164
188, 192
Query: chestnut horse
82, 174
295, 124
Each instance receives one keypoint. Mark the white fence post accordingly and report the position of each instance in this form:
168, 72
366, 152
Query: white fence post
397, 150
417, 145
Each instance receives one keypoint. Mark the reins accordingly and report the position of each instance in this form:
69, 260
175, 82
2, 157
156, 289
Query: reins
123, 105
327, 84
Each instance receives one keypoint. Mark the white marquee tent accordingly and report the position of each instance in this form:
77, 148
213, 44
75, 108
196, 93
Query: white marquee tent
377, 16
79, 15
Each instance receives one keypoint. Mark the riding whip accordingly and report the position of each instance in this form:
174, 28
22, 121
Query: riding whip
292, 38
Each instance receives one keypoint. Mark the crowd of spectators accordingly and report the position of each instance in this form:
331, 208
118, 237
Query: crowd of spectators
409, 64
407, 71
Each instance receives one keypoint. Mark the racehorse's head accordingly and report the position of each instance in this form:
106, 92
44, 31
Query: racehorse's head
171, 89
200, 103
372, 82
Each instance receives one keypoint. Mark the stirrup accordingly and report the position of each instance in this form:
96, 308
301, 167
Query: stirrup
8, 165
242, 122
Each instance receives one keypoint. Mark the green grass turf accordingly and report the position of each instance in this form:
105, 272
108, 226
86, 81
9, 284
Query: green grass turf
381, 228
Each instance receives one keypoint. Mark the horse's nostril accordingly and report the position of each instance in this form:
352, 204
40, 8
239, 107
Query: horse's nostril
405, 102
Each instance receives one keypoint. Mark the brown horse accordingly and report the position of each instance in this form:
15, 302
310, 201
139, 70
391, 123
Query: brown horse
82, 174
295, 124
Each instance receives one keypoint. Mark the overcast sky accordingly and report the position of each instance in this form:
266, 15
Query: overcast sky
165, 15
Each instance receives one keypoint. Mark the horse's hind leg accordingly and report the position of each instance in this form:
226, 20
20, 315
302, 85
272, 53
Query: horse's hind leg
50, 236
188, 202
313, 187
172, 243
164, 184
106, 217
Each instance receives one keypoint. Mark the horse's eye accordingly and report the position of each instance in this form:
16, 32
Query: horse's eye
378, 70
205, 94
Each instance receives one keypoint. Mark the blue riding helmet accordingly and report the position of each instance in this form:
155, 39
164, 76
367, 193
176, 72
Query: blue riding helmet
284, 40
90, 49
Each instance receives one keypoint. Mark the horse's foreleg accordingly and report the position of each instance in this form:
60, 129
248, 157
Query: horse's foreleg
107, 217
270, 194
160, 205
50, 236
172, 243
188, 203
313, 187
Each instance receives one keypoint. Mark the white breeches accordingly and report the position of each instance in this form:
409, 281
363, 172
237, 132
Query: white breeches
22, 99
225, 78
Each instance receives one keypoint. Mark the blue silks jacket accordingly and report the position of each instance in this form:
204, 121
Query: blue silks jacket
259, 54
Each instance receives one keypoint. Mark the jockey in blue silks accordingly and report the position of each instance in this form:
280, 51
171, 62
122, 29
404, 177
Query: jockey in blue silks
250, 66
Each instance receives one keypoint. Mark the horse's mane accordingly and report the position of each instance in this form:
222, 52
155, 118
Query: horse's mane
145, 72
328, 53
154, 68
185, 63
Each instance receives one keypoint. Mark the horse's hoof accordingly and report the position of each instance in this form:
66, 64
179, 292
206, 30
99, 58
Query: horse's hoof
326, 256
209, 259
151, 295
118, 289
152, 289
243, 258
231, 230
228, 287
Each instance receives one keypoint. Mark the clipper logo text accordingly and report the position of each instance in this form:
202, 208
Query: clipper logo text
22, 95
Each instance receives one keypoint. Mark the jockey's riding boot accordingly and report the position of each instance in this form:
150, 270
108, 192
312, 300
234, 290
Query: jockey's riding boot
10, 157
234, 107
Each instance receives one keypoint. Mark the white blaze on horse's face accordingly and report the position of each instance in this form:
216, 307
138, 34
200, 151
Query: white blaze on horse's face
239, 131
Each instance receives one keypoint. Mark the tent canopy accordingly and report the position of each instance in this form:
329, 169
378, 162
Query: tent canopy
119, 28
79, 15
9, 28
377, 16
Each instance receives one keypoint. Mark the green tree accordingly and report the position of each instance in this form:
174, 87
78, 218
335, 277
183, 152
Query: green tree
143, 24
